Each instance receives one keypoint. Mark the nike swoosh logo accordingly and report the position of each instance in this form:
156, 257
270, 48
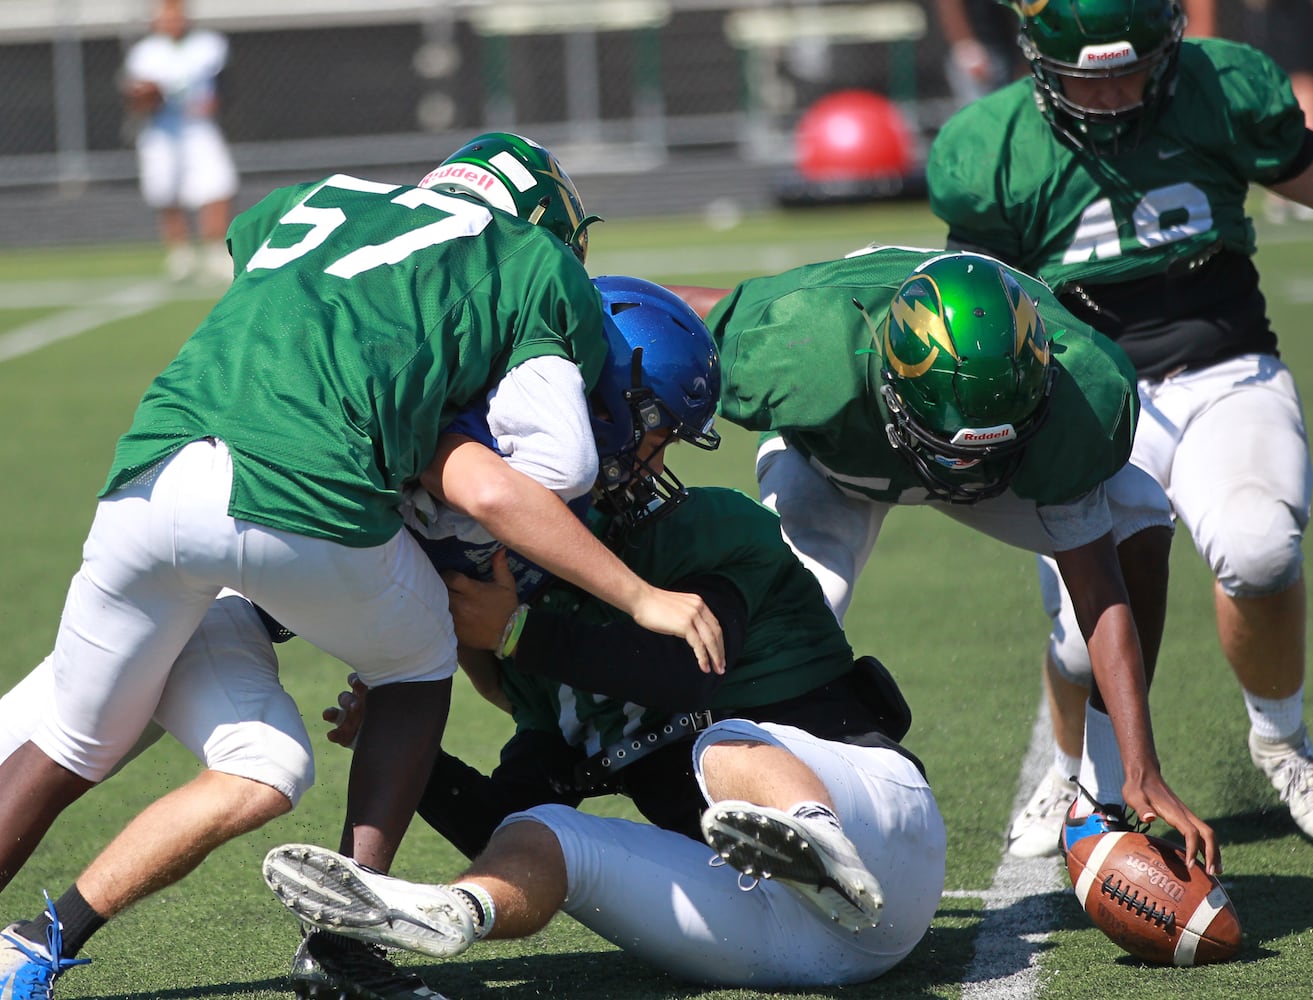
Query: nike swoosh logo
1167, 154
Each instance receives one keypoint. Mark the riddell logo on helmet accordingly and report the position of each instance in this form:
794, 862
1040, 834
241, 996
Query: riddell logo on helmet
981, 436
474, 179
1115, 54
463, 173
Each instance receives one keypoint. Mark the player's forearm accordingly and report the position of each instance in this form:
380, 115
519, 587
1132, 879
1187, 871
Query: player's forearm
528, 518
1119, 674
405, 723
1099, 599
1298, 188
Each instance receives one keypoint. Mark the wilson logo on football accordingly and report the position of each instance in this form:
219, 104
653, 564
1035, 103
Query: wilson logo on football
1157, 877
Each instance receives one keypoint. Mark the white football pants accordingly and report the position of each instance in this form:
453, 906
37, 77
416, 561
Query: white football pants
159, 552
667, 900
834, 533
1228, 445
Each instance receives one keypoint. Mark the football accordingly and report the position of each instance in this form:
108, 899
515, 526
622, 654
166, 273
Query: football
1138, 891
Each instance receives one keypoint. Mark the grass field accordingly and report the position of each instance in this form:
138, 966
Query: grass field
956, 616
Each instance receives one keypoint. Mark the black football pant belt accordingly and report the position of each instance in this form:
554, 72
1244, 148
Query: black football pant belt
600, 767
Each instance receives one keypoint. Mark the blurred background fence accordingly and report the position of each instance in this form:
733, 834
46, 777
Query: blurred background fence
672, 103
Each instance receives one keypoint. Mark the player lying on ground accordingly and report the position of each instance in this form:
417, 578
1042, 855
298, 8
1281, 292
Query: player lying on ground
798, 781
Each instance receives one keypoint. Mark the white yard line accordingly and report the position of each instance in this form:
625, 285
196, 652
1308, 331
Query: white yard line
1018, 915
95, 304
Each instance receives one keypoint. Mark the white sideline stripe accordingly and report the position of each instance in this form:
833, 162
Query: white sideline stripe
126, 302
1018, 915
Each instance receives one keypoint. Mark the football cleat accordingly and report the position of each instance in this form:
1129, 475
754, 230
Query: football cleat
331, 967
812, 858
1034, 833
27, 970
1288, 764
333, 893
1107, 817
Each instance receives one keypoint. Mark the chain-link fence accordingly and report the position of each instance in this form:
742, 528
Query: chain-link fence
316, 80
613, 86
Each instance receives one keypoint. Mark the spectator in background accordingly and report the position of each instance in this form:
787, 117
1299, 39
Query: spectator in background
170, 85
982, 50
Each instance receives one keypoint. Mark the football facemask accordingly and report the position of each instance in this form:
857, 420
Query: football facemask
1101, 40
662, 373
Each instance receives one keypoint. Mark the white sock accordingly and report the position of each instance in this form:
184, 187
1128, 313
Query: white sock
1065, 764
1101, 771
1275, 718
484, 909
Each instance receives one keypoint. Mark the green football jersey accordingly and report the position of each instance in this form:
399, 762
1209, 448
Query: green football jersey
1003, 181
792, 644
363, 317
799, 358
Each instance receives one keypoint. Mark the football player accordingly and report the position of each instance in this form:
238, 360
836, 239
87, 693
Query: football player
894, 377
171, 90
1119, 174
269, 458
790, 768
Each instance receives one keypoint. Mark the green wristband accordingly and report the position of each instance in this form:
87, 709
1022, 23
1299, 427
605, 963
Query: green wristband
510, 637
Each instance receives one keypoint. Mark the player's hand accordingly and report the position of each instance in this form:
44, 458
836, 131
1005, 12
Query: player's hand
1152, 799
143, 97
672, 612
479, 608
971, 58
349, 715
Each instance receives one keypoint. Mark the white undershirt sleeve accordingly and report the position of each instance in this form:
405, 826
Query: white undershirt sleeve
538, 415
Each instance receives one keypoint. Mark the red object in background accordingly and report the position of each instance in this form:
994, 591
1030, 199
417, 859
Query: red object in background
852, 135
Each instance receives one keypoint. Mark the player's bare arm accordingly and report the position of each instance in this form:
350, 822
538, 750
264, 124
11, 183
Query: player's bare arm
405, 721
1093, 578
530, 519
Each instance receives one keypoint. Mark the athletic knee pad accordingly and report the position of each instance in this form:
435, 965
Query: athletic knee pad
1253, 544
1067, 649
265, 754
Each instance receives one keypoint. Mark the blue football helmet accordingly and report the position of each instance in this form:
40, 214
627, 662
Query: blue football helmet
662, 372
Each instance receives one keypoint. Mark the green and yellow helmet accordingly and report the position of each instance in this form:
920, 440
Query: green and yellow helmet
518, 176
965, 374
1094, 39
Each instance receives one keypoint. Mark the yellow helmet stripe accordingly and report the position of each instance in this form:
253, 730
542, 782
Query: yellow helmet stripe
926, 324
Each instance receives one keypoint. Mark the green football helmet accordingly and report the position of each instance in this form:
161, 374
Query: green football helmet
965, 373
518, 176
1101, 39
